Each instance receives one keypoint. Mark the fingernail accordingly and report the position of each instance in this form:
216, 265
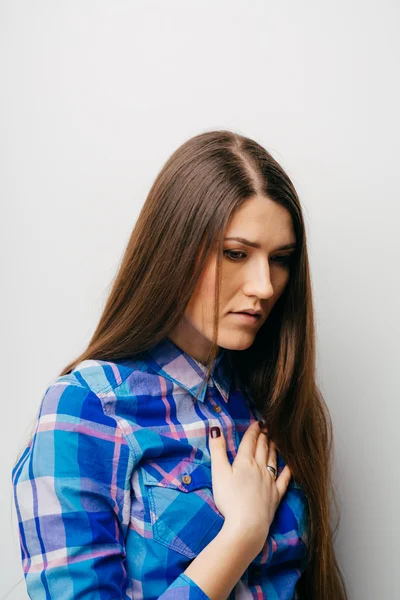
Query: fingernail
215, 432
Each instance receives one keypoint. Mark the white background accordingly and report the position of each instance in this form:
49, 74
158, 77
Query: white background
96, 95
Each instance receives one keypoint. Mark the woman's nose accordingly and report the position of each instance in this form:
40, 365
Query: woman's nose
259, 284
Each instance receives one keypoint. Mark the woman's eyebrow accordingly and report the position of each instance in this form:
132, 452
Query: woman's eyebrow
257, 245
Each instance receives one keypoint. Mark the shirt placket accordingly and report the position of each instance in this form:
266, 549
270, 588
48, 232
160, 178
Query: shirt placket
217, 406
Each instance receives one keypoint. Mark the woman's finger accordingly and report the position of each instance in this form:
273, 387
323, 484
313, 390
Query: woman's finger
283, 481
272, 458
219, 460
261, 454
248, 443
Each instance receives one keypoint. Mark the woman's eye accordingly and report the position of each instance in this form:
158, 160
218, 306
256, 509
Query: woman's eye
284, 259
229, 253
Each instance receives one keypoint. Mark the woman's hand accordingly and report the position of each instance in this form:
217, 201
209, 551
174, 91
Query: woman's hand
246, 492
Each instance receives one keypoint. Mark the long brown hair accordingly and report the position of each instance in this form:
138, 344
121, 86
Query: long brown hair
184, 216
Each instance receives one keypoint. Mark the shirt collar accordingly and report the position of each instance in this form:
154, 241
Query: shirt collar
178, 366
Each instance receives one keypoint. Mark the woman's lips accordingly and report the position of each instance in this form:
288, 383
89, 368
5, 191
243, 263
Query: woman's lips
245, 317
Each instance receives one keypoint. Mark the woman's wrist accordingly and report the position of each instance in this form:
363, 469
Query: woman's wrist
251, 540
220, 565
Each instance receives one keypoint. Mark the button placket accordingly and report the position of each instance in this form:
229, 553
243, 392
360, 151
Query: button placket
215, 407
218, 409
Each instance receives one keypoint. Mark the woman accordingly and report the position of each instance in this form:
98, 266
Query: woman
123, 492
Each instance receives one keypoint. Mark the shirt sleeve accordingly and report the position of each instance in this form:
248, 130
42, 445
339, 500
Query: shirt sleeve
184, 588
70, 486
72, 498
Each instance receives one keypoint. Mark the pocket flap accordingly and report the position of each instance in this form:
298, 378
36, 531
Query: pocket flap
185, 473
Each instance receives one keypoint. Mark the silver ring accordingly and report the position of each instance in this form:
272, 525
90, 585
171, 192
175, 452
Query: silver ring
273, 470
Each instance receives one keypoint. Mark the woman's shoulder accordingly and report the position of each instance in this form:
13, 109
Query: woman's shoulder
103, 376
90, 390
81, 408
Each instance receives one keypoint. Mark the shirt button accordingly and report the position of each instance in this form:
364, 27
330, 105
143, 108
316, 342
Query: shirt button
217, 408
186, 479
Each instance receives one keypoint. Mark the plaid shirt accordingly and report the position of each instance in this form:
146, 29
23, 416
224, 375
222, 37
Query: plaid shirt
113, 493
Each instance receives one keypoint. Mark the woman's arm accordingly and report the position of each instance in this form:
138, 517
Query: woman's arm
220, 565
71, 486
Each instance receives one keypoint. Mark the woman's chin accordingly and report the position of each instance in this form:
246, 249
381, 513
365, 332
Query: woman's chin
236, 342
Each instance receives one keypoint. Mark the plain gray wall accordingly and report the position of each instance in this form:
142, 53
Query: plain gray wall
95, 97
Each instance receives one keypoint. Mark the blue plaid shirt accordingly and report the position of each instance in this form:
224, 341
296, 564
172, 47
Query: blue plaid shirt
113, 493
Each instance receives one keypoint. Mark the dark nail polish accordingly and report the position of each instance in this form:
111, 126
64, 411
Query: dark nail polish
215, 432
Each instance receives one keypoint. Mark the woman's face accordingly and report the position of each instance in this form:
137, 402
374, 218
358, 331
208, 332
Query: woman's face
252, 277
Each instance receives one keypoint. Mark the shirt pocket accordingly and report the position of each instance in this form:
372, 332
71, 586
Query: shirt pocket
183, 514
